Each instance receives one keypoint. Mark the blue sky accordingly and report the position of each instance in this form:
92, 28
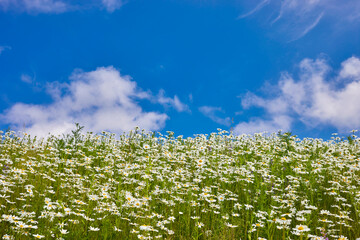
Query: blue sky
188, 66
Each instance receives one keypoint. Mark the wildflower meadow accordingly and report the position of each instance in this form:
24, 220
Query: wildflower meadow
145, 185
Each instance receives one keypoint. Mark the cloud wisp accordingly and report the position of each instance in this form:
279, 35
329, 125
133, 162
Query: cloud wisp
100, 100
112, 5
309, 27
57, 6
170, 102
210, 112
27, 78
35, 6
256, 9
315, 99
296, 18
3, 48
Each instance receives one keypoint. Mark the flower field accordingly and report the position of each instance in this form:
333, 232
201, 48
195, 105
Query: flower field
148, 186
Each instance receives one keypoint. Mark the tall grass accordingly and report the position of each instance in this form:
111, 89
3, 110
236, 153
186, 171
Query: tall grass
149, 186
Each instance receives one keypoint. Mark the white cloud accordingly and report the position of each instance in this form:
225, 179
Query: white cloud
171, 102
210, 112
257, 8
191, 98
309, 27
45, 6
315, 99
350, 68
296, 18
35, 6
26, 78
112, 5
100, 100
260, 125
57, 6
276, 106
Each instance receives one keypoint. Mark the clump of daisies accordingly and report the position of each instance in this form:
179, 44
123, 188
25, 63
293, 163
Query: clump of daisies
144, 185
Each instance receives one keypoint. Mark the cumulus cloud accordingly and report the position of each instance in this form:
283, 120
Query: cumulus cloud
296, 18
100, 100
257, 125
314, 99
210, 112
350, 68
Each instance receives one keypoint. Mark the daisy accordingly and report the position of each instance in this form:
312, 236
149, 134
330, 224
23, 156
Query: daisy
230, 225
199, 224
301, 228
38, 236
94, 229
